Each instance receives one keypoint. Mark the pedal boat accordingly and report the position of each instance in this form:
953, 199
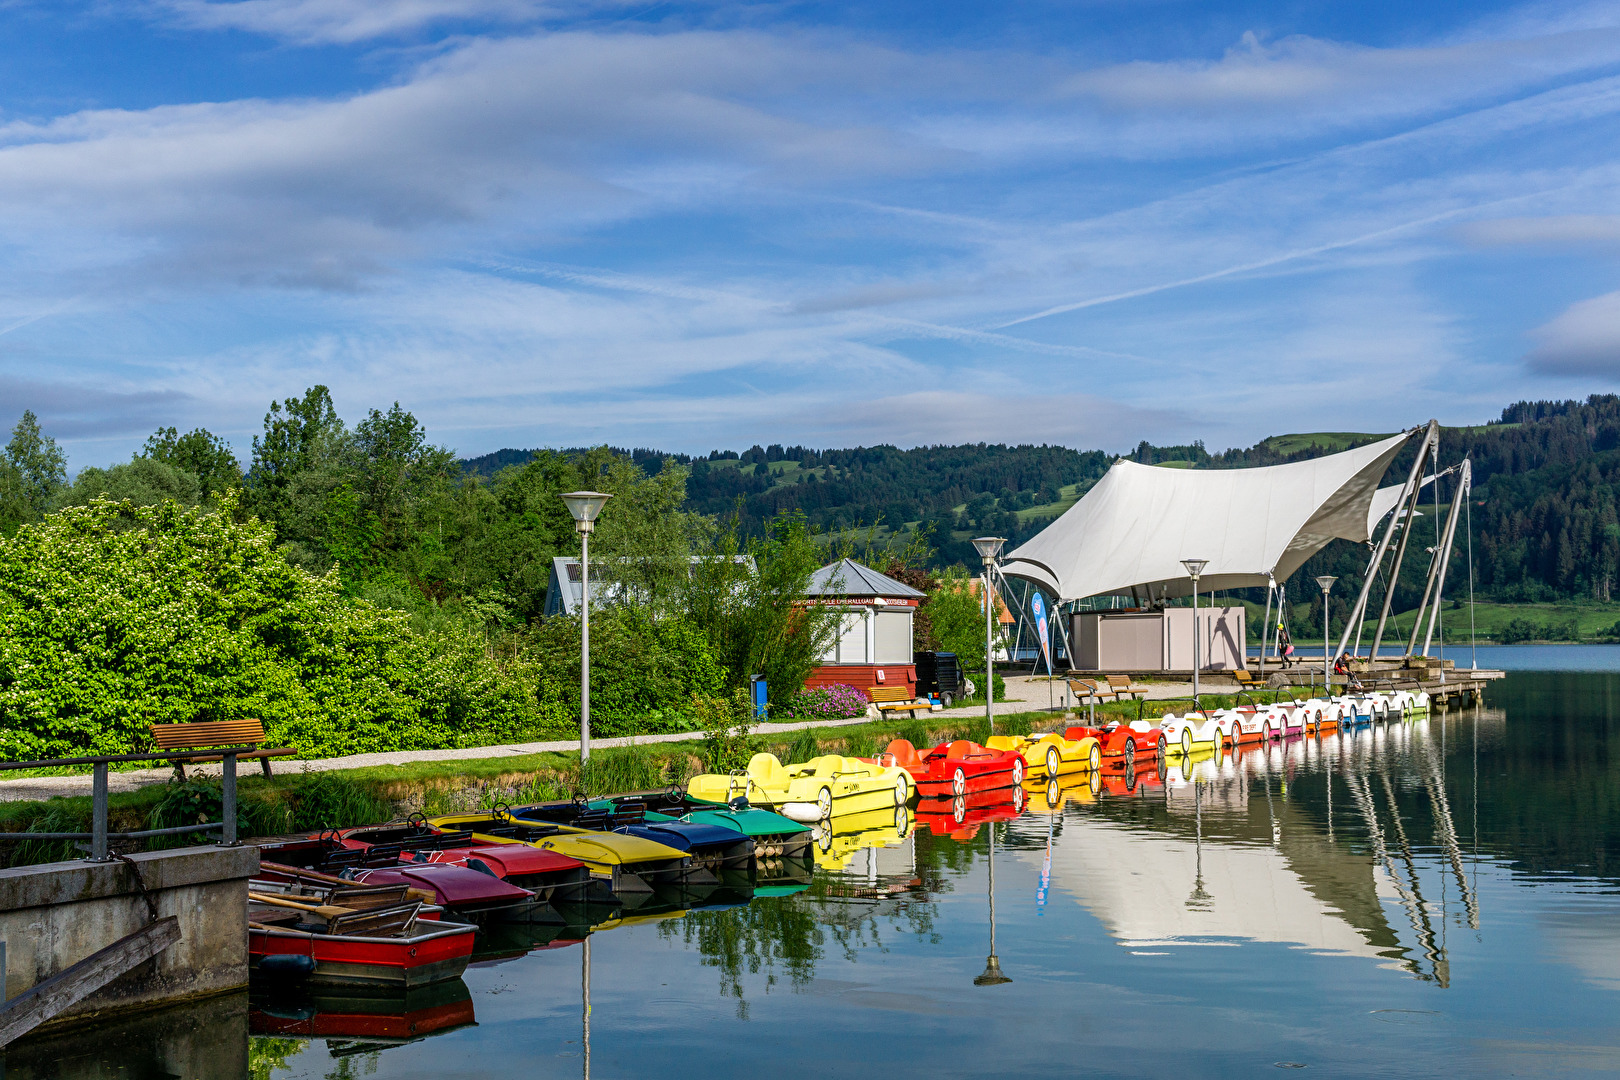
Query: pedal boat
1052, 755
1120, 743
630, 865
841, 836
817, 789
714, 847
775, 836
960, 818
1180, 733
1254, 722
955, 768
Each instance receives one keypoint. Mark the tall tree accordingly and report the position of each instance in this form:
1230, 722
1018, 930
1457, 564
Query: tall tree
198, 452
298, 434
41, 467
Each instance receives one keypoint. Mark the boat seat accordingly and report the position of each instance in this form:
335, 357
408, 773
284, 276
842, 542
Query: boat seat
904, 754
961, 748
767, 771
1141, 725
1004, 742
381, 922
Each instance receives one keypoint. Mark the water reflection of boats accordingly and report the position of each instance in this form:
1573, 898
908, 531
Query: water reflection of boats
363, 1022
1049, 796
840, 836
961, 817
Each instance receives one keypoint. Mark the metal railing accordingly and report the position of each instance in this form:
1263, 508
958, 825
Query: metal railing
98, 835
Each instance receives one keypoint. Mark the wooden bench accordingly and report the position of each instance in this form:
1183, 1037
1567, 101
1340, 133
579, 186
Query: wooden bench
206, 735
1121, 685
893, 699
1246, 680
1085, 690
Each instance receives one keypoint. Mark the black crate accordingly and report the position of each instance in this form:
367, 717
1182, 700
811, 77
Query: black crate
939, 674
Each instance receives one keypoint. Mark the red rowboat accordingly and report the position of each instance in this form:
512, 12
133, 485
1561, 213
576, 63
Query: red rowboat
423, 953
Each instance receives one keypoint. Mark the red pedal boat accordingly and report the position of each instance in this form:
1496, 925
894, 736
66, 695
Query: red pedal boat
1123, 743
960, 818
957, 768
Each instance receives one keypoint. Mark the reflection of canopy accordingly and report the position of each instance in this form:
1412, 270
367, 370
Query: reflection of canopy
1133, 529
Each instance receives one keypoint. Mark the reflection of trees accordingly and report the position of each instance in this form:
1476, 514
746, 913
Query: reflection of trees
267, 1054
778, 936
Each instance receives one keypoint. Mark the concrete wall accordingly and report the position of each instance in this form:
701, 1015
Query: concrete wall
200, 1040
56, 914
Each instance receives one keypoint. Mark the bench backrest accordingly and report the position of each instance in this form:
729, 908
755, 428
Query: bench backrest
208, 733
1082, 686
1119, 680
888, 693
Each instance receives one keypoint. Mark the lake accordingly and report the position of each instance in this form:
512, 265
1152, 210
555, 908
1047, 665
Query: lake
1438, 896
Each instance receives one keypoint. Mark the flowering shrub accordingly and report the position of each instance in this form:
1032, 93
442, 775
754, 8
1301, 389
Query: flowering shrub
835, 702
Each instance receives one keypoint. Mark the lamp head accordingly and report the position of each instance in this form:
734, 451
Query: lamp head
1194, 567
1326, 582
585, 505
992, 973
989, 547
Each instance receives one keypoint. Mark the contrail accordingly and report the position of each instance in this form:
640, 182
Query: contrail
1301, 253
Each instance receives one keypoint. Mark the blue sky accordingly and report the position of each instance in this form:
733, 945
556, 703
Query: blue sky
693, 226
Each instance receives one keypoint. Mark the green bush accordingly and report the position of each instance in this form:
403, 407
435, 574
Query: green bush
114, 616
644, 672
728, 740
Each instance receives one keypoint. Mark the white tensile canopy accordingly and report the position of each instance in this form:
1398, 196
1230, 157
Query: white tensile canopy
1133, 529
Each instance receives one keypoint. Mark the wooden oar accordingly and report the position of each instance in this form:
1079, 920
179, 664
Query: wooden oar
325, 911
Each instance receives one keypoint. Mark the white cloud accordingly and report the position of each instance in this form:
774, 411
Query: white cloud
1583, 340
344, 22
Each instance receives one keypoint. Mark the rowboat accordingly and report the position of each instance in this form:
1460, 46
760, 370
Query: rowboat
330, 936
630, 865
775, 836
714, 847
1052, 755
364, 1020
808, 792
955, 768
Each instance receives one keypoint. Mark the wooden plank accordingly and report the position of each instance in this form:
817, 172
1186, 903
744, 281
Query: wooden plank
207, 733
70, 986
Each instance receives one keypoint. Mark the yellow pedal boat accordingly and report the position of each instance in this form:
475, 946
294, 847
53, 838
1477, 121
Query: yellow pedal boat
1052, 755
823, 787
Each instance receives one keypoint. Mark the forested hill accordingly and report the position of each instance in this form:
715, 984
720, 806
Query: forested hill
1546, 478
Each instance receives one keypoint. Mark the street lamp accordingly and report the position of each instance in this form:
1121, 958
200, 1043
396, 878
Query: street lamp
1326, 581
1194, 568
585, 505
989, 547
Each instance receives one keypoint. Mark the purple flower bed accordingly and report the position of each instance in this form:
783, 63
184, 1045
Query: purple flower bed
836, 702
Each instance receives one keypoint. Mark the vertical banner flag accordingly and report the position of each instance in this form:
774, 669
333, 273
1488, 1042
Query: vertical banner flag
1037, 607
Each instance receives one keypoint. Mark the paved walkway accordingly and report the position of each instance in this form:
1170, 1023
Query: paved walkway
1024, 694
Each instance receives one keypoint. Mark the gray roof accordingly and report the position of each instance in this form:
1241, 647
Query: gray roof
849, 578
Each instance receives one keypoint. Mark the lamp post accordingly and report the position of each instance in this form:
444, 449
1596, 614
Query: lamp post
989, 547
585, 505
1194, 568
1326, 582
992, 975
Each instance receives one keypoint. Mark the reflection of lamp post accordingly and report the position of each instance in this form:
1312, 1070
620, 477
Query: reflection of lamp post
1326, 581
989, 547
1199, 898
585, 505
585, 1014
992, 964
1194, 568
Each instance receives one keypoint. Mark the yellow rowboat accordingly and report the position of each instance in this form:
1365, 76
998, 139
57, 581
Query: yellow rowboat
1048, 756
823, 787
